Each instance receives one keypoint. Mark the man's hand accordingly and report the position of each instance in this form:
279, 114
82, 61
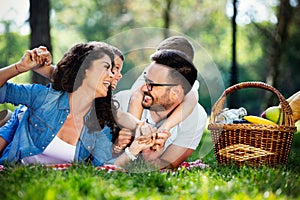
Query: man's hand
156, 150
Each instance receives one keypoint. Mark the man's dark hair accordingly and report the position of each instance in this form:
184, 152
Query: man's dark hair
179, 64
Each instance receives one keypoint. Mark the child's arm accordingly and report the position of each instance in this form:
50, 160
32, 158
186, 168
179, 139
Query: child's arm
128, 123
135, 102
45, 70
178, 115
135, 105
127, 120
181, 112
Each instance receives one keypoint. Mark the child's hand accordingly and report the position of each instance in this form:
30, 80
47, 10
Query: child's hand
161, 139
147, 133
140, 144
34, 58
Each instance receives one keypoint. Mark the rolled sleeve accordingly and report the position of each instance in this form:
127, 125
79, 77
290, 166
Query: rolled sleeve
7, 131
24, 94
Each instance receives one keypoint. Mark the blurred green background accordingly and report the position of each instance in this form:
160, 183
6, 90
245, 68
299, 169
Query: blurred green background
267, 46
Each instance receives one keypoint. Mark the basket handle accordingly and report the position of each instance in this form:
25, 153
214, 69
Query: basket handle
286, 117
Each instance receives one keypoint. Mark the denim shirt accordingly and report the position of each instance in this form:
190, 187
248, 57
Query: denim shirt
7, 131
47, 110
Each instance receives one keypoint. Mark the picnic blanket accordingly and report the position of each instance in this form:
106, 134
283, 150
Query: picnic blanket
112, 168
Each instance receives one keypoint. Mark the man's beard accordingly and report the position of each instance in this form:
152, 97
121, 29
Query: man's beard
149, 103
154, 107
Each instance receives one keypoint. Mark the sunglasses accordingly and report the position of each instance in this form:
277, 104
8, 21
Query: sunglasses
150, 85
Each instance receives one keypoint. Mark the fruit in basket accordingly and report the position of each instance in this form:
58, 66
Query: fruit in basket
258, 120
294, 102
272, 113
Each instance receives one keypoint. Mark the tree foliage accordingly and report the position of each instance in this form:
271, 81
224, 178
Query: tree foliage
206, 23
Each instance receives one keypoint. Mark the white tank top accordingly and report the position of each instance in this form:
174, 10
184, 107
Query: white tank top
57, 152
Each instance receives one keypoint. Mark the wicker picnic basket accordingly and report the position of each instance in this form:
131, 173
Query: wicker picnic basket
252, 144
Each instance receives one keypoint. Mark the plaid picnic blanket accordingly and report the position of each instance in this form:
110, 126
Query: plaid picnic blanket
111, 168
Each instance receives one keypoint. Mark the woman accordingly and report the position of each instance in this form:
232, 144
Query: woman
55, 120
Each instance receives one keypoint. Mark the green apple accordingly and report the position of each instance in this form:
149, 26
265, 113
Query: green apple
273, 114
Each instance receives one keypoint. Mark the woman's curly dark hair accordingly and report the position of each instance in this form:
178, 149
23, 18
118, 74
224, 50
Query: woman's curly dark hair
106, 108
70, 70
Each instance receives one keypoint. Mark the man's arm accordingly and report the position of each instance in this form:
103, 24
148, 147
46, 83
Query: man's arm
171, 158
182, 111
175, 155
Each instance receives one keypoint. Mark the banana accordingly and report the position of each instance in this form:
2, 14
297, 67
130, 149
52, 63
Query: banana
258, 120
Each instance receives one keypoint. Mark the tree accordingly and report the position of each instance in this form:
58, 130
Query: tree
233, 99
40, 30
278, 40
167, 18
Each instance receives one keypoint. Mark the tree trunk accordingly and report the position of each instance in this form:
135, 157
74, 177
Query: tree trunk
233, 98
40, 30
167, 12
279, 38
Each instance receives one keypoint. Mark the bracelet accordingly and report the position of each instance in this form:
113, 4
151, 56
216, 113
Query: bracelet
129, 154
17, 68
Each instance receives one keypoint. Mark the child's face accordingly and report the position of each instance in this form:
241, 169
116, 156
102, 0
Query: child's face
117, 68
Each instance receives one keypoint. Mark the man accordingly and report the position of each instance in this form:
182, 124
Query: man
168, 79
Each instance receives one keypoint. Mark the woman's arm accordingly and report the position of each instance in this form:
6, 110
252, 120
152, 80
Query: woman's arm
8, 72
138, 145
31, 59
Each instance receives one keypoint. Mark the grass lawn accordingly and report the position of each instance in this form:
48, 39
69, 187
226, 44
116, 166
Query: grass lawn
84, 182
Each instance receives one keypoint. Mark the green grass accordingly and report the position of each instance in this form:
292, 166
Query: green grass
84, 182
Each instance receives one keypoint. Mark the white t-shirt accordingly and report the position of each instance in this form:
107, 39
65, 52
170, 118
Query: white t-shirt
186, 134
57, 152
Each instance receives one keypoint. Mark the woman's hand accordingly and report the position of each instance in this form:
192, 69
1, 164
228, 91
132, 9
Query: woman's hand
124, 138
34, 58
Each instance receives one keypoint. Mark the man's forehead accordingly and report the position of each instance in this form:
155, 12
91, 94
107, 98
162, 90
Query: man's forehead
158, 68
